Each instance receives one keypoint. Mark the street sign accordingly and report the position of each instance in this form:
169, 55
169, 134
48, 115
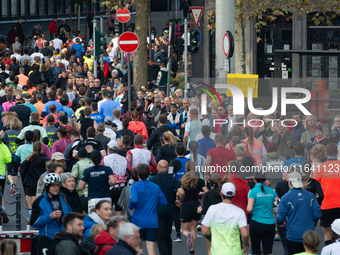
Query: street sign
128, 42
123, 15
196, 13
228, 44
199, 38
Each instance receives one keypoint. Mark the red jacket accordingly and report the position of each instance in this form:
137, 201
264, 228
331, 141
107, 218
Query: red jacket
53, 27
106, 70
104, 238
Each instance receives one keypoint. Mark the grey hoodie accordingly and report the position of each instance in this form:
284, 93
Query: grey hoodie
272, 165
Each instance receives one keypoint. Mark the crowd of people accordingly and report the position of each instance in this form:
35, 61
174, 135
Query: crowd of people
84, 153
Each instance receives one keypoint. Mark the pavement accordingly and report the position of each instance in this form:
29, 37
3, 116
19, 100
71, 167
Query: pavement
178, 248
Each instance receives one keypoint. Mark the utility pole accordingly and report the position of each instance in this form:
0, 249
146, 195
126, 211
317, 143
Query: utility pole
169, 69
94, 47
101, 26
225, 21
186, 58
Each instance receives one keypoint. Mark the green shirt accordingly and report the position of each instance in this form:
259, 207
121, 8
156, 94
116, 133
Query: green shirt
42, 130
24, 150
77, 170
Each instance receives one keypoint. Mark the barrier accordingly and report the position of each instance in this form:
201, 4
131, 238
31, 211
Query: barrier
18, 215
22, 238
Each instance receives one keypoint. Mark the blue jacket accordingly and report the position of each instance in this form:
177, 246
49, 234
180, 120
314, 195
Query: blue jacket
297, 132
107, 107
89, 221
41, 219
302, 210
145, 196
79, 48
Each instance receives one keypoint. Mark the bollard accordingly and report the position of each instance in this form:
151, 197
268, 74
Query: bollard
18, 211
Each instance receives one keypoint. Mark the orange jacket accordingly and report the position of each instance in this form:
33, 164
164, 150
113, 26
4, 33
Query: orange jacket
140, 128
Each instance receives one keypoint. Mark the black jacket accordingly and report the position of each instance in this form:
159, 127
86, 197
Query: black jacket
126, 96
73, 199
166, 152
31, 171
67, 243
153, 72
155, 138
75, 102
121, 248
35, 77
27, 69
15, 68
92, 91
297, 132
212, 197
24, 113
61, 83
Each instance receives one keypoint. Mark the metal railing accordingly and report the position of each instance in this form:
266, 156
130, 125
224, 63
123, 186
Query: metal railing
18, 215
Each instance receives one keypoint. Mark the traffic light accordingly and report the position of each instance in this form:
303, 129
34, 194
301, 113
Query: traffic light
194, 41
118, 27
99, 43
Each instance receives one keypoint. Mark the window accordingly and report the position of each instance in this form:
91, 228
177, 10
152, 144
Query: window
33, 10
51, 9
22, 8
60, 6
14, 7
42, 10
4, 8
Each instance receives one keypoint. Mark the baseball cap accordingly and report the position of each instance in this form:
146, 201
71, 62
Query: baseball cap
82, 153
228, 189
108, 120
296, 179
336, 226
57, 156
112, 144
108, 94
206, 122
63, 119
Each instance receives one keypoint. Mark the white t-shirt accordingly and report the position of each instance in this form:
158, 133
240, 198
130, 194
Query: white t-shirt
57, 43
118, 165
332, 249
110, 134
225, 221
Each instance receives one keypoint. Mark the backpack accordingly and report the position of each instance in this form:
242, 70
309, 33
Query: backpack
43, 245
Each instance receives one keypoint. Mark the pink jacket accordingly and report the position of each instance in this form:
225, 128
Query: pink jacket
7, 105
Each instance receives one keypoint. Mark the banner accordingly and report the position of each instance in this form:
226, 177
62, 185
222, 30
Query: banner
243, 82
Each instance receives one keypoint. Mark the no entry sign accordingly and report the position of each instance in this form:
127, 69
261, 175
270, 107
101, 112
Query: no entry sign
123, 15
128, 42
228, 44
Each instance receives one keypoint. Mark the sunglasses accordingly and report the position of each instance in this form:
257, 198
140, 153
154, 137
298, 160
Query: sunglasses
156, 93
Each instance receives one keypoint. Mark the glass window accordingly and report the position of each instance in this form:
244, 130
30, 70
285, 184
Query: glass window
22, 8
51, 9
42, 10
4, 8
14, 7
33, 10
60, 6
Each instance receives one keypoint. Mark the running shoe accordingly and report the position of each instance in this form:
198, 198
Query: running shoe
13, 187
192, 252
277, 236
178, 239
190, 242
199, 226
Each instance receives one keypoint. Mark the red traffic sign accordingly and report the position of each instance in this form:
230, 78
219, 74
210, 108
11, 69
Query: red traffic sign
128, 42
196, 13
123, 15
228, 44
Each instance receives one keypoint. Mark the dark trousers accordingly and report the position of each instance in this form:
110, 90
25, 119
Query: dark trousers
164, 241
264, 233
282, 233
177, 222
84, 203
294, 247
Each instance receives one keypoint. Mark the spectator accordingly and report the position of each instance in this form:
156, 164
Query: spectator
68, 185
167, 151
53, 28
310, 124
49, 208
8, 246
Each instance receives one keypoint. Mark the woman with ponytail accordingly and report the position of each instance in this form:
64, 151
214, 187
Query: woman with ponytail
45, 149
8, 247
31, 169
256, 145
167, 151
198, 159
262, 227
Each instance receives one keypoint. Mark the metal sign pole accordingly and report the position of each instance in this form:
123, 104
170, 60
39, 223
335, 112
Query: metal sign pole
169, 70
101, 25
185, 58
94, 47
129, 79
150, 50
122, 53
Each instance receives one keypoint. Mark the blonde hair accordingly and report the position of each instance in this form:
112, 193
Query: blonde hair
169, 137
318, 151
97, 228
190, 180
306, 120
15, 123
240, 150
